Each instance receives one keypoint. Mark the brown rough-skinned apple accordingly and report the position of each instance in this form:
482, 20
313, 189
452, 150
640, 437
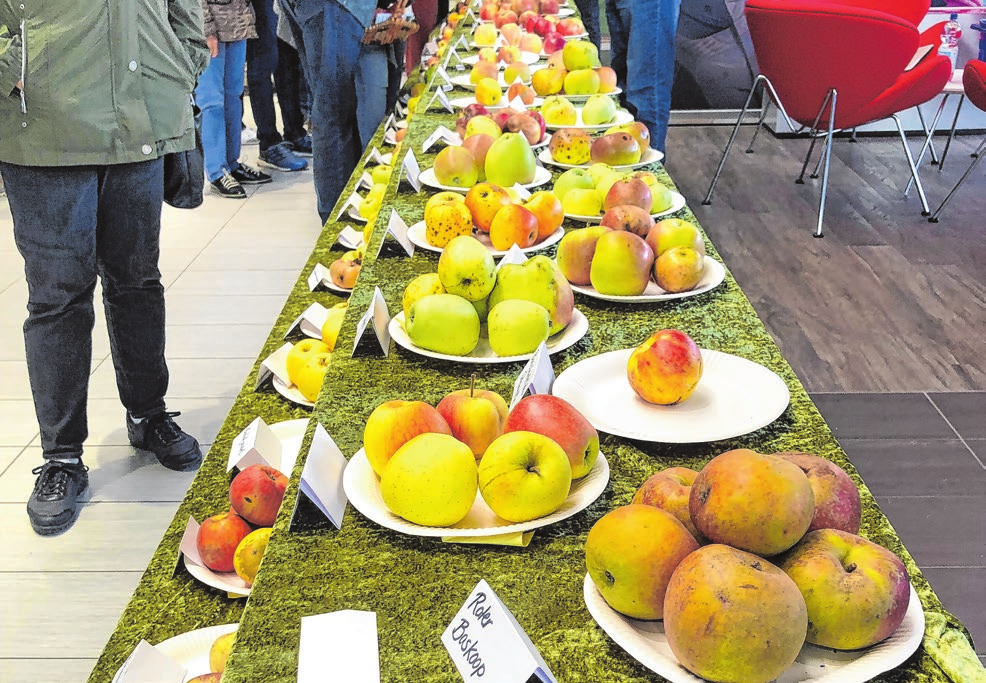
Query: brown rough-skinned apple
837, 504
630, 218
669, 490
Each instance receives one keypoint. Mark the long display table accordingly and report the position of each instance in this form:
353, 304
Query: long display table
415, 585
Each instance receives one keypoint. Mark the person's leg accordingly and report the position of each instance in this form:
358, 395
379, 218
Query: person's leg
287, 79
426, 12
617, 18
210, 98
232, 104
650, 68
589, 10
372, 80
262, 60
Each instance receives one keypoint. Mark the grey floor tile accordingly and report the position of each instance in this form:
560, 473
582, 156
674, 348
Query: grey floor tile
8, 454
916, 467
214, 309
235, 282
966, 411
13, 379
963, 593
18, 425
248, 258
61, 614
47, 670
199, 341
189, 378
978, 447
940, 531
200, 417
882, 416
107, 537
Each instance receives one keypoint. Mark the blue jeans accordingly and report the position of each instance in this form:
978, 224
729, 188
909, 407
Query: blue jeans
642, 54
589, 11
348, 81
73, 224
218, 96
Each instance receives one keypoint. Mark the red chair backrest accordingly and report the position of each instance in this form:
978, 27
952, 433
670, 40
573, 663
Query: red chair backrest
974, 83
807, 47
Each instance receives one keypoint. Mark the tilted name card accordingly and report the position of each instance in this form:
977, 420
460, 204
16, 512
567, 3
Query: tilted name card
397, 227
275, 365
321, 478
379, 315
536, 377
255, 445
339, 646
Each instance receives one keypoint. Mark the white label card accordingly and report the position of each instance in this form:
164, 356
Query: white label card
365, 181
536, 377
310, 322
275, 365
443, 98
339, 646
398, 228
443, 74
516, 102
375, 156
411, 170
321, 479
318, 276
453, 59
487, 643
255, 445
378, 314
147, 664
350, 237
462, 42
188, 546
354, 201
469, 13
522, 191
514, 257
450, 137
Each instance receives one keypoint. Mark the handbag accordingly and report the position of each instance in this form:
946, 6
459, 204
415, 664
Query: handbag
184, 172
392, 29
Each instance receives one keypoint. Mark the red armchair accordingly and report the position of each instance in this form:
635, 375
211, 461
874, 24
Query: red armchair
840, 62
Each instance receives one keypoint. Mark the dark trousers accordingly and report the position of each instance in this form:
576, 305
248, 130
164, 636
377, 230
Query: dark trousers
589, 10
73, 224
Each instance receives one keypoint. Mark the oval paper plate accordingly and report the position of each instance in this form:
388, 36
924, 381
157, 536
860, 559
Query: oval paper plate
713, 276
649, 157
354, 214
191, 649
463, 102
677, 204
463, 82
645, 641
734, 397
427, 177
622, 116
528, 58
416, 233
363, 489
292, 393
483, 354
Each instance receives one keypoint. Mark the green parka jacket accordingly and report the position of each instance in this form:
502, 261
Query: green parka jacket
105, 81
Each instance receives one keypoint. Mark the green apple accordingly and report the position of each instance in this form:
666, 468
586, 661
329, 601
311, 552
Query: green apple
599, 170
420, 287
524, 475
482, 308
510, 161
431, 480
516, 327
467, 269
580, 54
483, 124
381, 174
444, 323
675, 232
579, 202
571, 179
557, 111
662, 199
370, 205
621, 265
539, 280
606, 182
598, 109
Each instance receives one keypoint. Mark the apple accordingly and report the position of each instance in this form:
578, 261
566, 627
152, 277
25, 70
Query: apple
478, 145
513, 224
485, 35
455, 166
488, 11
207, 678
467, 269
309, 378
581, 82
219, 651
447, 220
573, 27
256, 493
548, 210
575, 252
573, 178
547, 81
217, 539
504, 17
570, 146
679, 269
837, 504
333, 325
636, 129
755, 502
511, 34
675, 232
444, 323
475, 416
394, 423
731, 616
666, 368
561, 422
482, 69
299, 354
605, 180
669, 490
615, 149
381, 174
631, 554
630, 218
607, 79
539, 280
549, 6
510, 161
598, 109
516, 327
553, 41
526, 16
486, 54
856, 591
621, 264
431, 480
508, 54
420, 287
557, 111
524, 475
628, 191
370, 205
344, 272
488, 92
524, 123
580, 202
525, 94
531, 42
484, 200
482, 125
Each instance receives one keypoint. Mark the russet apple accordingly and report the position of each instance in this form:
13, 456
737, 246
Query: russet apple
539, 280
516, 327
666, 368
575, 252
443, 323
628, 191
510, 161
570, 146
524, 475
548, 210
630, 218
456, 167
394, 423
513, 224
733, 617
256, 493
669, 490
420, 287
621, 264
679, 269
631, 554
218, 537
561, 422
467, 269
447, 220
856, 591
758, 503
837, 504
484, 200
475, 416
344, 272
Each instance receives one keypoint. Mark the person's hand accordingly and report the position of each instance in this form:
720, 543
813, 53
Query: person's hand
213, 43
20, 85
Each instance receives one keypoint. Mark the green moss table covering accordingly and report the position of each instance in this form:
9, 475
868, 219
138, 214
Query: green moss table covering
415, 585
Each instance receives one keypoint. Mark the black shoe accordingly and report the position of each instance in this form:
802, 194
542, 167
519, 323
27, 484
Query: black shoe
54, 504
302, 146
246, 175
227, 186
159, 434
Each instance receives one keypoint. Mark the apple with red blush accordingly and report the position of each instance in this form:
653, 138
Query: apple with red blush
256, 494
218, 537
669, 490
837, 504
561, 422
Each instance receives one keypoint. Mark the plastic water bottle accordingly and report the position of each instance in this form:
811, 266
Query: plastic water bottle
950, 35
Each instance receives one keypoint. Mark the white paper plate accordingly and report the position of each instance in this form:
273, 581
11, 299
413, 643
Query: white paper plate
649, 157
416, 233
191, 649
463, 102
677, 204
462, 81
427, 177
354, 214
537, 145
580, 99
528, 58
713, 276
483, 354
291, 393
363, 489
577, 36
622, 116
645, 641
734, 397
336, 288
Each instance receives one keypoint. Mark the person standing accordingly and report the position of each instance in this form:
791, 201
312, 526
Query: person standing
81, 155
589, 11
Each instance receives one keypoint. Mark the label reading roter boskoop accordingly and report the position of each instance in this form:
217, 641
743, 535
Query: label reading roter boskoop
397, 227
487, 643
380, 316
536, 377
412, 171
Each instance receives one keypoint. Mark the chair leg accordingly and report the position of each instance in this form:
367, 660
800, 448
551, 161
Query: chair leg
834, 96
756, 132
829, 97
977, 158
927, 141
732, 139
818, 165
811, 149
925, 210
929, 132
951, 133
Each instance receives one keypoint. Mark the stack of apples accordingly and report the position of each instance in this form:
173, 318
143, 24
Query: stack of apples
521, 304
493, 124
309, 359
575, 70
621, 145
489, 153
432, 461
781, 564
584, 191
235, 540
485, 75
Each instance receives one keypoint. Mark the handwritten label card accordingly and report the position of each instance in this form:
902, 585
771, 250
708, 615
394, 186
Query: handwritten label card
487, 643
353, 202
536, 377
255, 445
275, 365
411, 170
375, 157
378, 314
339, 646
310, 322
514, 257
398, 228
321, 479
147, 664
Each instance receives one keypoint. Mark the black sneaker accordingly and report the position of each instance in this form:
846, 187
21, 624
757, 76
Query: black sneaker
227, 186
54, 504
160, 435
246, 175
302, 146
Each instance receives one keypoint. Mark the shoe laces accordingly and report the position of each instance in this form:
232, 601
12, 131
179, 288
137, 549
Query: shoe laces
54, 479
228, 182
249, 172
280, 152
163, 427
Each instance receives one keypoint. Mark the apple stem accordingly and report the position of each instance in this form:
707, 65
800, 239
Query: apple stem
472, 385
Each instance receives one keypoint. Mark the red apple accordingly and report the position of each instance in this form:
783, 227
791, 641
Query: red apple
561, 422
669, 490
666, 368
484, 201
856, 591
525, 17
570, 27
488, 11
217, 540
575, 252
549, 6
256, 494
503, 17
394, 423
837, 504
630, 218
553, 42
475, 416
629, 191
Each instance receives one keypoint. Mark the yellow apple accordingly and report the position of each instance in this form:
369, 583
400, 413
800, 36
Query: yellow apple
394, 423
524, 475
299, 355
332, 325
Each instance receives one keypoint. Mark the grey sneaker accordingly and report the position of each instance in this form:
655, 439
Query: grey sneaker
54, 504
162, 436
280, 156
